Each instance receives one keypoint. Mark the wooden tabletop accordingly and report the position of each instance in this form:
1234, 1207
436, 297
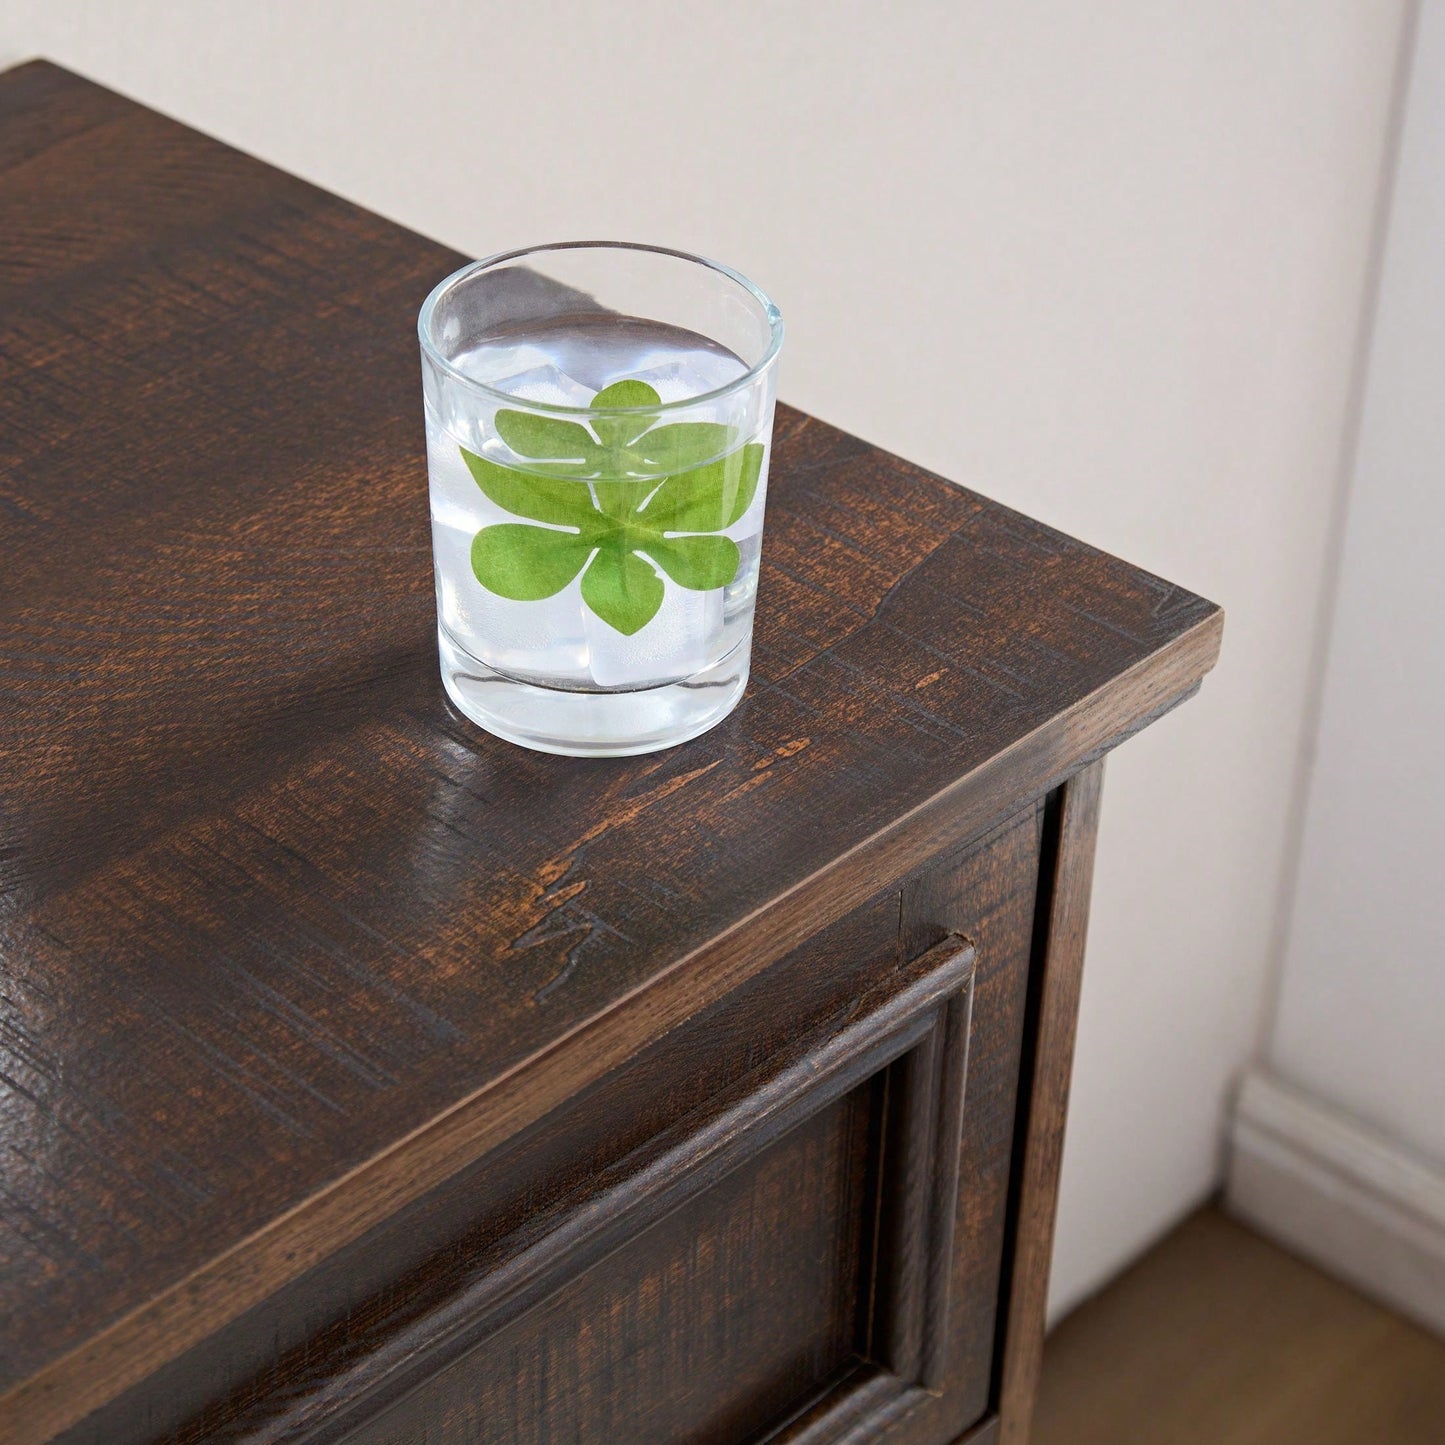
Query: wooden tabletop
286, 940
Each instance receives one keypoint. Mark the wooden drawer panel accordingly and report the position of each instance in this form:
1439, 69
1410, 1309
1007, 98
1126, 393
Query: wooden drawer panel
706, 1327
277, 1367
736, 1210
787, 1248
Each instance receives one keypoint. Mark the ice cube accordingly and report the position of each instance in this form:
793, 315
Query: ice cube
456, 499
546, 383
681, 380
538, 638
541, 640
681, 639
740, 592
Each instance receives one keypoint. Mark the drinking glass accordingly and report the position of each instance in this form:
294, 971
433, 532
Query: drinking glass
599, 420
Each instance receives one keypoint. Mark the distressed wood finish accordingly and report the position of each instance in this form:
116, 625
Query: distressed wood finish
820, 991
291, 953
1064, 908
920, 1022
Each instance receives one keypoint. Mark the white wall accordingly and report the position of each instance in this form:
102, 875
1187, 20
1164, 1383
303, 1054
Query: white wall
1338, 1137
1361, 1016
1103, 261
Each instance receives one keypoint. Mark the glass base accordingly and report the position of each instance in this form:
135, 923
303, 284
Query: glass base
592, 724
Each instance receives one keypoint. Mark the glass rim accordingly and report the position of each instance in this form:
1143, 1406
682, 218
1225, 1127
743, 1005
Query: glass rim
771, 314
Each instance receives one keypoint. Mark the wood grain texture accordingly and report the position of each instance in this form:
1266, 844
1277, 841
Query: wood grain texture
731, 1394
1217, 1337
991, 892
300, 1339
286, 943
660, 1341
1048, 1066
914, 1011
820, 992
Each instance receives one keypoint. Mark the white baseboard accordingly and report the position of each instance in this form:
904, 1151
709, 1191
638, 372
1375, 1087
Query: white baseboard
1332, 1190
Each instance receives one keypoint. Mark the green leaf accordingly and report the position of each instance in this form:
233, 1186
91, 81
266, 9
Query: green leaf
618, 431
531, 435
527, 563
620, 498
540, 499
657, 497
697, 563
682, 445
622, 590
627, 394
706, 499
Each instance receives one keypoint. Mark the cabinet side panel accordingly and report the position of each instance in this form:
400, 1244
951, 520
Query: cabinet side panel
1048, 1064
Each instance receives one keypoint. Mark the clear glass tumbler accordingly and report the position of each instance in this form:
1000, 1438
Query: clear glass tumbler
599, 420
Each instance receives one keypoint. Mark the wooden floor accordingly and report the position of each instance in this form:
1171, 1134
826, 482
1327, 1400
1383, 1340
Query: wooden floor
1218, 1338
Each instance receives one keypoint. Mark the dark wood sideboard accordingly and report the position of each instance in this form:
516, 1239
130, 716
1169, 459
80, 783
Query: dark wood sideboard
365, 1078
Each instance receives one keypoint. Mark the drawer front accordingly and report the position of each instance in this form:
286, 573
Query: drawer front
784, 1221
794, 1241
709, 1325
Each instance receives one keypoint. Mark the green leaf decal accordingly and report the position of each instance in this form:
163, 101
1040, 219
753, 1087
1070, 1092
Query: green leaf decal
625, 394
540, 499
618, 431
526, 563
653, 497
620, 499
684, 444
697, 563
706, 499
622, 589
531, 435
